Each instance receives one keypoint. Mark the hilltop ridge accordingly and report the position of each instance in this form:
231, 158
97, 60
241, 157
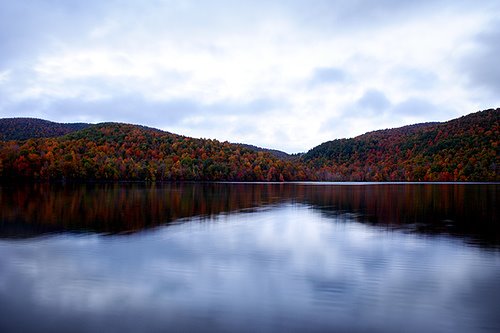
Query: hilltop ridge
29, 128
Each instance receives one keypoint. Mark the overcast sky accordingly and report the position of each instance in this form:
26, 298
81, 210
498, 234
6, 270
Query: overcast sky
280, 74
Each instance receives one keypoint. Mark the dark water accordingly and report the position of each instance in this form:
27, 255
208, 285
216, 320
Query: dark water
250, 258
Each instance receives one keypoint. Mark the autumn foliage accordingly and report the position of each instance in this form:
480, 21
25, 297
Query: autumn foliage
112, 151
464, 149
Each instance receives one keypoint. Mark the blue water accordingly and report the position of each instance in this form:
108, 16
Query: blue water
275, 264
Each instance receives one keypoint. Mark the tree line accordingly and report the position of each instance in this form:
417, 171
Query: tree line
464, 149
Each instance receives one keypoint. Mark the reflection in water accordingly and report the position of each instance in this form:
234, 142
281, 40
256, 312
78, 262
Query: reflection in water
284, 268
249, 257
459, 209
120, 207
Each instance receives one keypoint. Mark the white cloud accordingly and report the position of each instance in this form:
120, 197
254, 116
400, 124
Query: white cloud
4, 76
312, 61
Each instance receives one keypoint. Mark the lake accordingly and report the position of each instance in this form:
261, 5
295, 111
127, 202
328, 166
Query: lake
222, 257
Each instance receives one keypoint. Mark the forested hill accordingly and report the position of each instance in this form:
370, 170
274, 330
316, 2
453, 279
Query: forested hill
28, 128
276, 153
112, 151
463, 149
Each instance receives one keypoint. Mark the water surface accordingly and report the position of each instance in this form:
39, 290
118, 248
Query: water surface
249, 257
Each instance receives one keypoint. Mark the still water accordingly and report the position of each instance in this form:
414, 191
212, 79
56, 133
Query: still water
249, 258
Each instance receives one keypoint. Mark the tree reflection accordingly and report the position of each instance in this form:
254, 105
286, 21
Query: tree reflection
458, 209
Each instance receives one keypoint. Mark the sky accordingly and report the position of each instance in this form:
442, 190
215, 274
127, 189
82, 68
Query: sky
287, 75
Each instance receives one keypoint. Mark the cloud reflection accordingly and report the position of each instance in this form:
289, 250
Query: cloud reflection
285, 268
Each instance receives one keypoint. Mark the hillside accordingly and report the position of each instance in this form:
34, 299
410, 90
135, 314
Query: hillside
276, 153
112, 151
28, 128
463, 149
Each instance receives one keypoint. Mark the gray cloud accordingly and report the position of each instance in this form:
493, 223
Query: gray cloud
28, 28
417, 78
482, 66
128, 108
417, 107
374, 100
360, 14
327, 75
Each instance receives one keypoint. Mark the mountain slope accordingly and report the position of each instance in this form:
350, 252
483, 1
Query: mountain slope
113, 151
276, 153
28, 128
461, 149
